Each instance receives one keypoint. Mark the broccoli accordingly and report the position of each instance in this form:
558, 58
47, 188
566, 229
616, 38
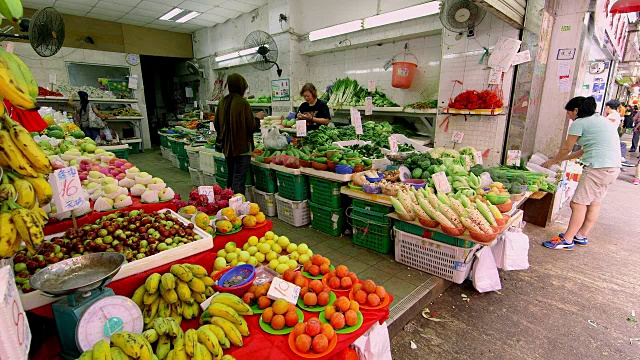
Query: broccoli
520, 179
424, 165
515, 188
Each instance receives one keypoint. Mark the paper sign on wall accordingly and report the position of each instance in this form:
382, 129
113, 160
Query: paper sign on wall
393, 144
477, 157
368, 105
301, 127
371, 86
135, 107
207, 190
502, 54
67, 189
513, 157
15, 334
457, 137
521, 57
494, 77
133, 82
281, 289
564, 83
188, 92
356, 120
441, 182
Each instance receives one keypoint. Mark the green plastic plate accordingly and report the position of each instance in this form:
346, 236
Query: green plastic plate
332, 298
317, 277
346, 329
285, 330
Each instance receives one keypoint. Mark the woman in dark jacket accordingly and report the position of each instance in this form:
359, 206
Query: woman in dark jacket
235, 125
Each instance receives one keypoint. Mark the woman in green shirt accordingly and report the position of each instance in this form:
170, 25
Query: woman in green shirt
600, 155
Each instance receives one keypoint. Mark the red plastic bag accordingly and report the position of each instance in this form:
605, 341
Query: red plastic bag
292, 162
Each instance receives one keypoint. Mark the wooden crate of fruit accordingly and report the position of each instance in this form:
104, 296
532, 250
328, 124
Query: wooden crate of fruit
36, 298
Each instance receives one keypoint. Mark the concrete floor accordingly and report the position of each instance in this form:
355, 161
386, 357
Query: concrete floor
545, 312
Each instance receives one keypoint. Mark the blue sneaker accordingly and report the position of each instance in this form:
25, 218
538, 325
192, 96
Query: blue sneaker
558, 243
580, 241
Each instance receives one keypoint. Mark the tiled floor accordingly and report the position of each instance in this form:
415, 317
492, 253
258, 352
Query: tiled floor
397, 279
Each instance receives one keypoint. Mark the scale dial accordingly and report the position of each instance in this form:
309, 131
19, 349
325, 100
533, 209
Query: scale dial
133, 59
106, 317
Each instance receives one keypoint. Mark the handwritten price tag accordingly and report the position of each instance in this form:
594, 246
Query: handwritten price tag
468, 163
281, 289
494, 77
441, 182
235, 202
67, 189
393, 144
356, 120
301, 127
201, 115
207, 190
513, 157
212, 127
477, 157
371, 86
457, 137
15, 334
368, 105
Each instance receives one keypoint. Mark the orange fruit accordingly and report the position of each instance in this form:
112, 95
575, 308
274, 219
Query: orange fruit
313, 327
353, 277
350, 317
316, 259
326, 261
381, 292
353, 305
260, 292
316, 286
346, 283
360, 296
334, 283
310, 299
314, 270
292, 307
373, 300
291, 318
328, 331
342, 271
303, 343
342, 303
332, 273
323, 299
303, 291
253, 288
280, 306
324, 269
326, 289
288, 275
307, 265
357, 286
320, 343
369, 286
337, 321
329, 311
301, 281
277, 322
264, 302
249, 298
299, 328
267, 315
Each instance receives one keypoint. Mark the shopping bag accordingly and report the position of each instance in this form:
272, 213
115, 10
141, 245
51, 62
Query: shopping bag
374, 344
274, 140
484, 274
516, 250
497, 249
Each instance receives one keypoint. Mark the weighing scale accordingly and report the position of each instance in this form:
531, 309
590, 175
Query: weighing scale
89, 312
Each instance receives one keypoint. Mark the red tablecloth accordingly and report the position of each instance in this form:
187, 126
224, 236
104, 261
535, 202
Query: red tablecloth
54, 227
259, 343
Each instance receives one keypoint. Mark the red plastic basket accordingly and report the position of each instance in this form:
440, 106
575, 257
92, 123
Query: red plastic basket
236, 290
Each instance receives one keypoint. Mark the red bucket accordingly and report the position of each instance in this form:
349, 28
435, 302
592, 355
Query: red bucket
403, 74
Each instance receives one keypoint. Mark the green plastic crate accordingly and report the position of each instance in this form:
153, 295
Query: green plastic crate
221, 181
177, 147
379, 218
433, 235
224, 178
135, 147
325, 192
370, 206
221, 167
184, 162
265, 179
164, 141
293, 187
327, 220
121, 154
371, 235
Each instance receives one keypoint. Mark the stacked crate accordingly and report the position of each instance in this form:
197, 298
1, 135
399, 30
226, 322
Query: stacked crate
292, 198
327, 206
372, 227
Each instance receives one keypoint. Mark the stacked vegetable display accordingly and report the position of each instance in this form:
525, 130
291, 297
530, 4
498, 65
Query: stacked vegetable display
347, 92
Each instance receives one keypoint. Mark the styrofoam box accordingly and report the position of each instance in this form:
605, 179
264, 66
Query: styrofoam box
36, 298
406, 141
296, 213
193, 153
266, 201
207, 163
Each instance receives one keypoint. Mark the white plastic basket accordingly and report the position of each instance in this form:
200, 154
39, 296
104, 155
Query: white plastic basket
266, 201
193, 153
206, 161
174, 160
446, 261
208, 179
165, 152
295, 213
248, 193
196, 176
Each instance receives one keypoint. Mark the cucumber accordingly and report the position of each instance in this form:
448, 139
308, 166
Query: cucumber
322, 148
367, 162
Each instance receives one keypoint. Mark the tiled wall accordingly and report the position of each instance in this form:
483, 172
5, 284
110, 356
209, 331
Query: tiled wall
366, 63
460, 61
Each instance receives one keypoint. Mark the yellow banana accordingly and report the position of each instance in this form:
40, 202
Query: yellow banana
219, 333
26, 194
118, 354
13, 87
32, 85
129, 343
161, 325
152, 283
202, 353
180, 354
30, 149
146, 352
138, 297
39, 215
233, 302
168, 281
191, 342
7, 190
231, 332
207, 281
178, 306
8, 61
151, 335
187, 312
209, 291
227, 357
149, 298
197, 270
14, 157
163, 347
181, 272
196, 285
87, 355
8, 235
174, 328
164, 308
243, 328
171, 296
198, 297
150, 311
171, 355
42, 188
102, 350
183, 290
209, 339
224, 311
11, 10
175, 315
27, 228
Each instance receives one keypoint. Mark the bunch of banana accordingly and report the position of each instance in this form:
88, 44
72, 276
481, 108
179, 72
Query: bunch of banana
175, 294
225, 311
18, 150
11, 10
19, 224
16, 80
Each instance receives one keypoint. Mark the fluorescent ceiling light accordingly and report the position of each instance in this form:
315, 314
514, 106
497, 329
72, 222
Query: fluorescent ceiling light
335, 30
188, 17
226, 57
409, 13
171, 14
248, 51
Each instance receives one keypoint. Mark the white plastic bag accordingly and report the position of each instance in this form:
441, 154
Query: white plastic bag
274, 140
374, 344
516, 250
485, 179
485, 275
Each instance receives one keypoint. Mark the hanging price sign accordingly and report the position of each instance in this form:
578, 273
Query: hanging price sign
372, 85
301, 127
207, 190
393, 144
281, 289
513, 157
457, 137
441, 182
477, 156
368, 106
67, 189
356, 120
